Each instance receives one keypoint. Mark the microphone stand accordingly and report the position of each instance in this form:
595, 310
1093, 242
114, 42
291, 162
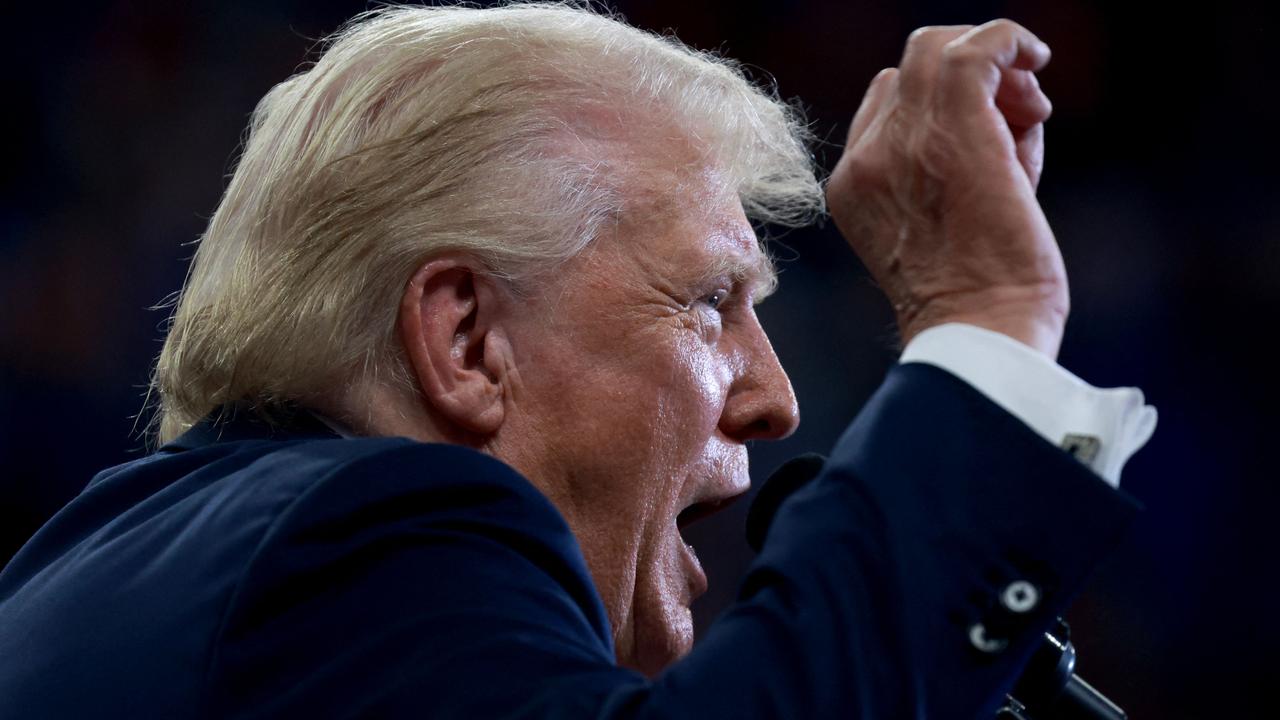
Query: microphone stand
1049, 689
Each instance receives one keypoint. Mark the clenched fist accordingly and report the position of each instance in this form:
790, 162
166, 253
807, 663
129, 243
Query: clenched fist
936, 188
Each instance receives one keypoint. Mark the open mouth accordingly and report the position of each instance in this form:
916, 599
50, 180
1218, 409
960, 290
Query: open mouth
696, 576
706, 508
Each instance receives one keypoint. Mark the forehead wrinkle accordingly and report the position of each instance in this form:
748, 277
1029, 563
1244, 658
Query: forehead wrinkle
729, 250
670, 181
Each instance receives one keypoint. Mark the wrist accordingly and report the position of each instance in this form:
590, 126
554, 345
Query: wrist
1038, 325
1037, 334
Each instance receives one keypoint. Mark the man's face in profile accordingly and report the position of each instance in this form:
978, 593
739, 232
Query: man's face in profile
644, 372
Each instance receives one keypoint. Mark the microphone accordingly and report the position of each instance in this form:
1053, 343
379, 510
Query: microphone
789, 477
1048, 687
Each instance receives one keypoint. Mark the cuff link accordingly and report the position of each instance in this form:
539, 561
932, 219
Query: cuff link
1082, 447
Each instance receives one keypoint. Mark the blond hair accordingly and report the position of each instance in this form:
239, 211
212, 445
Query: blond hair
428, 129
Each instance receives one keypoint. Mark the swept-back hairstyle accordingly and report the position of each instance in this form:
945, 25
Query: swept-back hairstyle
429, 129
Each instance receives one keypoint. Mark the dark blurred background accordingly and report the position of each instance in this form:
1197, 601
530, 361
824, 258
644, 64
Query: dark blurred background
1160, 183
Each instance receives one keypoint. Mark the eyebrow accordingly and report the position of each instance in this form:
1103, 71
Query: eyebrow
755, 270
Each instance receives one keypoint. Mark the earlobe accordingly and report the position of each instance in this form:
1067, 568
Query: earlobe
450, 324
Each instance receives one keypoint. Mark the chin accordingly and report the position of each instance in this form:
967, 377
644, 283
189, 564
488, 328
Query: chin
661, 622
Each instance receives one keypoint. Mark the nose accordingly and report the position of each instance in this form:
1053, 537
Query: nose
761, 404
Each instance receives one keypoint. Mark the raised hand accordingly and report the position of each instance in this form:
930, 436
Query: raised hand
935, 190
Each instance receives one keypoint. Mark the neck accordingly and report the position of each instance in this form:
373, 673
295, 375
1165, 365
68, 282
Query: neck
383, 412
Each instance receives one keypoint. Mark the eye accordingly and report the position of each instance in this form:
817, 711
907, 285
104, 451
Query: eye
716, 299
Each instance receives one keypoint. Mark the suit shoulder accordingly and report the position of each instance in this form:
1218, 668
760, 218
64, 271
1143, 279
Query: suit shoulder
355, 480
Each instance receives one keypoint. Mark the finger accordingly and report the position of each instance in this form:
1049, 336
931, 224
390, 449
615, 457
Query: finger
973, 64
1021, 100
1011, 44
881, 87
919, 66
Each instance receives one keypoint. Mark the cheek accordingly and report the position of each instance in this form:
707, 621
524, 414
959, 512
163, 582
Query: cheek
669, 404
679, 444
661, 395
699, 380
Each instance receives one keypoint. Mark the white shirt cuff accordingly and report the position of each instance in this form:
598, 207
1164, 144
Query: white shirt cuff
1102, 427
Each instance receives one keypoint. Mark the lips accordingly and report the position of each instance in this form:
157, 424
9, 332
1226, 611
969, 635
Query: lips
695, 575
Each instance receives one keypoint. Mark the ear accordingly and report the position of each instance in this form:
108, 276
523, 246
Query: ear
450, 326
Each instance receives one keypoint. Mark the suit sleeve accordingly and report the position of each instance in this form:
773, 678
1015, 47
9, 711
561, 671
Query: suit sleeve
468, 598
1102, 427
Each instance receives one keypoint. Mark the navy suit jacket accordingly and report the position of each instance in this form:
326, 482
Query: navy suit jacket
246, 572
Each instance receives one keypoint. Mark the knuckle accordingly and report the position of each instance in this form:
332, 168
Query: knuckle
1011, 30
884, 75
919, 35
960, 52
1003, 26
863, 174
881, 85
933, 34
